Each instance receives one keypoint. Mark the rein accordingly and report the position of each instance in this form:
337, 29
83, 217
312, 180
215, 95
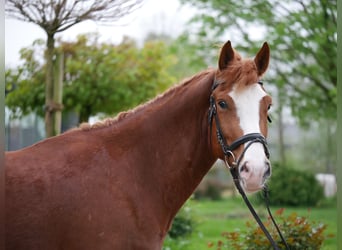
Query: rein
234, 167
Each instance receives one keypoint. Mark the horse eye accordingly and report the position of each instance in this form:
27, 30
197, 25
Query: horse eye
223, 104
269, 107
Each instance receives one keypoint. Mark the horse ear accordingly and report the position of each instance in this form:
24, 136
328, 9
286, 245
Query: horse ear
226, 55
262, 59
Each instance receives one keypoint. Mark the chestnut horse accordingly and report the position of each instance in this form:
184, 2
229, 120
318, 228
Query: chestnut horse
119, 183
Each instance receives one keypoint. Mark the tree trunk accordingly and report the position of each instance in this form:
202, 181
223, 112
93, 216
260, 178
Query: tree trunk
49, 86
58, 93
282, 155
328, 163
53, 89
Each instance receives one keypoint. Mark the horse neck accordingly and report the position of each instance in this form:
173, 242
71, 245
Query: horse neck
172, 141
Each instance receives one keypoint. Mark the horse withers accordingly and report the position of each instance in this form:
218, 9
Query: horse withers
119, 183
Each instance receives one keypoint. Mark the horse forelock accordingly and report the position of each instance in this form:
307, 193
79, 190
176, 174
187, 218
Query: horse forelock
241, 73
126, 114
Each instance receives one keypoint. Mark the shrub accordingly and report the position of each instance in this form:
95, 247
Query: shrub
212, 192
183, 224
291, 187
298, 232
181, 227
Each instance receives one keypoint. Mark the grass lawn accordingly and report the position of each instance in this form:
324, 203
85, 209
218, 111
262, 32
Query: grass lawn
231, 214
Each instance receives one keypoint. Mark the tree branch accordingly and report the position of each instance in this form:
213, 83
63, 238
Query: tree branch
57, 16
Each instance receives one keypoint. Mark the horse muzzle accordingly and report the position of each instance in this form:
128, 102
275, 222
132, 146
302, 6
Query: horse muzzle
253, 176
252, 168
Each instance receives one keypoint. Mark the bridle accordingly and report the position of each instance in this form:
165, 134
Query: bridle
227, 150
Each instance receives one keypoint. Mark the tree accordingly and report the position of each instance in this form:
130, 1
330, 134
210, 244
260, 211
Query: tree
303, 39
25, 84
103, 78
99, 77
188, 60
57, 16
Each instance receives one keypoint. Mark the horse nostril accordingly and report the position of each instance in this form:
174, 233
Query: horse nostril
244, 168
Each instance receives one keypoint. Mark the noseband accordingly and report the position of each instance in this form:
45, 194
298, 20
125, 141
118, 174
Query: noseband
234, 167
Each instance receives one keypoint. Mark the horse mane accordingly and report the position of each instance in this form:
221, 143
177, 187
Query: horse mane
126, 114
242, 73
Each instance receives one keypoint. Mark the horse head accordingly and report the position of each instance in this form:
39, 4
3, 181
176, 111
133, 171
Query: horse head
238, 113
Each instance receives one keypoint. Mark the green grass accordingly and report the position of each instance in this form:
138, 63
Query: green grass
231, 214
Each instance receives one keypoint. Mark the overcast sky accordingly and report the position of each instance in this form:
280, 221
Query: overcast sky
155, 15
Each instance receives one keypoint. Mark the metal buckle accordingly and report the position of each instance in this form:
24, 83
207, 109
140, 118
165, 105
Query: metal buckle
226, 156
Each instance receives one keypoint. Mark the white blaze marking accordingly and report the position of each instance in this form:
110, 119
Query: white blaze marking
247, 104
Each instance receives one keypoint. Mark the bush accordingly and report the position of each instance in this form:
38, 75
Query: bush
181, 227
298, 232
291, 187
183, 224
212, 192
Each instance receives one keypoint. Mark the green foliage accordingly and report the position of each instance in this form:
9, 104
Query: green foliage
211, 192
188, 58
99, 77
230, 214
299, 232
303, 40
115, 77
292, 187
25, 84
181, 227
183, 224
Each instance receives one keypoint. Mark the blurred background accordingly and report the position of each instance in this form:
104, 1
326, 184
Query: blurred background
67, 64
